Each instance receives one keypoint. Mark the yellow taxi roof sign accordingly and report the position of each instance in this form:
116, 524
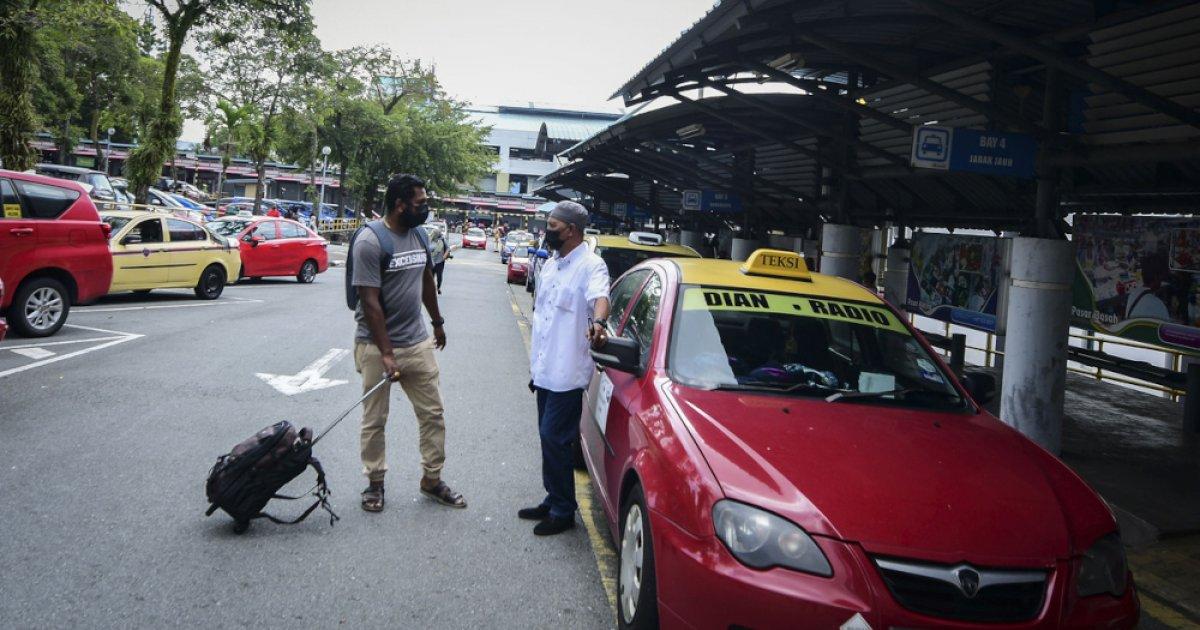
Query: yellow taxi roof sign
777, 263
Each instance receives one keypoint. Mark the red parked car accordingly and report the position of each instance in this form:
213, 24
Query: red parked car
519, 262
53, 251
3, 322
475, 238
275, 247
779, 449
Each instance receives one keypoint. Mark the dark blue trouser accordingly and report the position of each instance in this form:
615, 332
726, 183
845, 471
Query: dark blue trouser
558, 425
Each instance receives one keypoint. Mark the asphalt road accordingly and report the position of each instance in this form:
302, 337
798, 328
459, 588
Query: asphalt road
108, 438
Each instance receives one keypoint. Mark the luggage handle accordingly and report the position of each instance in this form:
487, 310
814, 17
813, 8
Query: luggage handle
345, 413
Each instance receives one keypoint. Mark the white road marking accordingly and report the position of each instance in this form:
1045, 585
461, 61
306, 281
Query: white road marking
125, 337
33, 353
113, 309
310, 378
58, 343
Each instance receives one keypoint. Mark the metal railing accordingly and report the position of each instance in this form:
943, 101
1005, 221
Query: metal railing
1085, 356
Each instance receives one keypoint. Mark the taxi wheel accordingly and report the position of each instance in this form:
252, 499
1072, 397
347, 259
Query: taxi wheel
637, 593
39, 307
308, 272
212, 283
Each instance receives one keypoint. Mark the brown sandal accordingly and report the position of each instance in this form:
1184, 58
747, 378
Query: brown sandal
444, 495
372, 498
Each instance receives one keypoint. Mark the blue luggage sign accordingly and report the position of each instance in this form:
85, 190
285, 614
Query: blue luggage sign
974, 151
720, 202
691, 200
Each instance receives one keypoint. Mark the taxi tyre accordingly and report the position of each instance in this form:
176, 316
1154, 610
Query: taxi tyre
29, 295
308, 272
211, 284
636, 523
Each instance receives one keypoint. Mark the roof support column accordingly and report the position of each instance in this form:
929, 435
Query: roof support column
1035, 366
743, 176
895, 273
841, 250
1047, 183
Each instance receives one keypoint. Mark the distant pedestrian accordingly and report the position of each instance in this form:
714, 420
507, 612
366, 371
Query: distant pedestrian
441, 252
392, 340
572, 307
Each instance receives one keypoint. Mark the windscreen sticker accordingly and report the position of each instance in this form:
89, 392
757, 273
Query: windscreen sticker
928, 371
12, 211
706, 299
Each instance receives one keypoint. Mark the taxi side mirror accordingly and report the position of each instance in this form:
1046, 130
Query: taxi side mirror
132, 238
980, 385
254, 240
620, 353
541, 253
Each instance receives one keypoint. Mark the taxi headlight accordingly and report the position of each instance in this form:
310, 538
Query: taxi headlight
762, 540
1103, 568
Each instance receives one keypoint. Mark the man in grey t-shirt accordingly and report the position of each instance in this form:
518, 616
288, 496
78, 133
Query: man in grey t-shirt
391, 340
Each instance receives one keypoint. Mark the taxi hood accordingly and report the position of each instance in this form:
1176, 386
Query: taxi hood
945, 487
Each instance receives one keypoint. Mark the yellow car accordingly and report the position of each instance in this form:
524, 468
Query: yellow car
154, 250
623, 252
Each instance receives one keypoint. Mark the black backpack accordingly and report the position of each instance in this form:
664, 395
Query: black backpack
387, 249
245, 479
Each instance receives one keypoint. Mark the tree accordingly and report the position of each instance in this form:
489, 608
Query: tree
226, 126
266, 70
17, 120
179, 18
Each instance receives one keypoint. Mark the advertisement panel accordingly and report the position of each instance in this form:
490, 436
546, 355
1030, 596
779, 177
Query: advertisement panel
956, 278
1138, 278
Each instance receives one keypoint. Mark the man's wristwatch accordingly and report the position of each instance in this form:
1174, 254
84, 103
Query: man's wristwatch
603, 321
437, 323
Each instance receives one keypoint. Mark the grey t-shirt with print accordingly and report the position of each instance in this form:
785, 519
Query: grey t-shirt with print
400, 287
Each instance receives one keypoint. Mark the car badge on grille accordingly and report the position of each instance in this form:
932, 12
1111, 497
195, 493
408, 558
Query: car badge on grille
968, 582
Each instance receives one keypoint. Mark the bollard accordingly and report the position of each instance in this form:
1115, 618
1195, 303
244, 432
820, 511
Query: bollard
1191, 401
958, 353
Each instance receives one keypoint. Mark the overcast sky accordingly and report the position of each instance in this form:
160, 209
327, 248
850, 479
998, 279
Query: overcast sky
571, 52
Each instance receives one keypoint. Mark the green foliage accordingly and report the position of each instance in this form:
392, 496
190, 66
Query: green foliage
17, 120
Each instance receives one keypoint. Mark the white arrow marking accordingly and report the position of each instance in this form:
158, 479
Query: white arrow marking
310, 378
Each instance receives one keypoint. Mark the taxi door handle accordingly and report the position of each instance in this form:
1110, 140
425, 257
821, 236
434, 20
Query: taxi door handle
21, 231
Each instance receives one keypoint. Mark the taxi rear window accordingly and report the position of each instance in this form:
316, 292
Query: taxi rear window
803, 345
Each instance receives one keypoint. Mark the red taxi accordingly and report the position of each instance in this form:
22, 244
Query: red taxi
275, 247
775, 448
519, 262
475, 238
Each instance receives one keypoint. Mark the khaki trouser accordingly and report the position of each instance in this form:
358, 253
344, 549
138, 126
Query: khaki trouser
419, 378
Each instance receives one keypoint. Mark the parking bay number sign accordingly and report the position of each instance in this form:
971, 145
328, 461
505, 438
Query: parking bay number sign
974, 151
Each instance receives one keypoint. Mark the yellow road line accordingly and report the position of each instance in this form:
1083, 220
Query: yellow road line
1165, 614
593, 518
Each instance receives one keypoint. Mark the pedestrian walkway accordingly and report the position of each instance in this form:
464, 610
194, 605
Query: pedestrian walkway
1131, 447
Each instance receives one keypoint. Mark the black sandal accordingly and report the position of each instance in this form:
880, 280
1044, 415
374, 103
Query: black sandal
444, 495
372, 498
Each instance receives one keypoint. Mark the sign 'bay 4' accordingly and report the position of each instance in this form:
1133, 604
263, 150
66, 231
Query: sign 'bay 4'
974, 151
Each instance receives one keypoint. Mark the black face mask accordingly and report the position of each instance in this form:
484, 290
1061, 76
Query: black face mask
554, 239
416, 217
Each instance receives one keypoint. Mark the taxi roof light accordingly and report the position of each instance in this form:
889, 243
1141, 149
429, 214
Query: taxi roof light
777, 263
645, 238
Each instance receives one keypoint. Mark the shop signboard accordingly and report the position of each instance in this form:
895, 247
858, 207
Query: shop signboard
956, 278
1138, 278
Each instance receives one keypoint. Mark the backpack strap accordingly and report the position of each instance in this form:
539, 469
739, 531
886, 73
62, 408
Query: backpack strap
387, 247
320, 491
423, 238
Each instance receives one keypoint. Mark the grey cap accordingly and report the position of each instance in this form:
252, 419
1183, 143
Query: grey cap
570, 212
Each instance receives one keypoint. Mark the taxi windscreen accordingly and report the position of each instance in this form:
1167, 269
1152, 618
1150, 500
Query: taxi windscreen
804, 346
620, 260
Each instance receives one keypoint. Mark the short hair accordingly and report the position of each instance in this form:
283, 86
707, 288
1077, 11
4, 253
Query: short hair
401, 188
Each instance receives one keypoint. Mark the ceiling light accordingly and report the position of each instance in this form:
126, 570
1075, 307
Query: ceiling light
691, 131
786, 62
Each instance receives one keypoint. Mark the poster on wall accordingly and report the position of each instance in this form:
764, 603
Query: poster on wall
1138, 278
956, 278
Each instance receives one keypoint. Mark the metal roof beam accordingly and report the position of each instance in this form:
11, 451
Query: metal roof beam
791, 144
1053, 59
793, 194
852, 54
788, 196
814, 89
819, 130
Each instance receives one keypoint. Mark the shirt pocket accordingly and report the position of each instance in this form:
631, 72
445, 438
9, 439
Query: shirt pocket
565, 299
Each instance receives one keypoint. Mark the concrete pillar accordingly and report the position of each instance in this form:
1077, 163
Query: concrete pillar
841, 251
895, 275
779, 241
693, 239
673, 237
1039, 310
743, 247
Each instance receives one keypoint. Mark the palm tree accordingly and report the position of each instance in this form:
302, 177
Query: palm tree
231, 119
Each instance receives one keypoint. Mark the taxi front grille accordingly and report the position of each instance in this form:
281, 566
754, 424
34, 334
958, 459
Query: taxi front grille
963, 592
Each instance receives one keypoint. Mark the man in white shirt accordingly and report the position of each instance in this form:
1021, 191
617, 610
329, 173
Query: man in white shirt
570, 313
